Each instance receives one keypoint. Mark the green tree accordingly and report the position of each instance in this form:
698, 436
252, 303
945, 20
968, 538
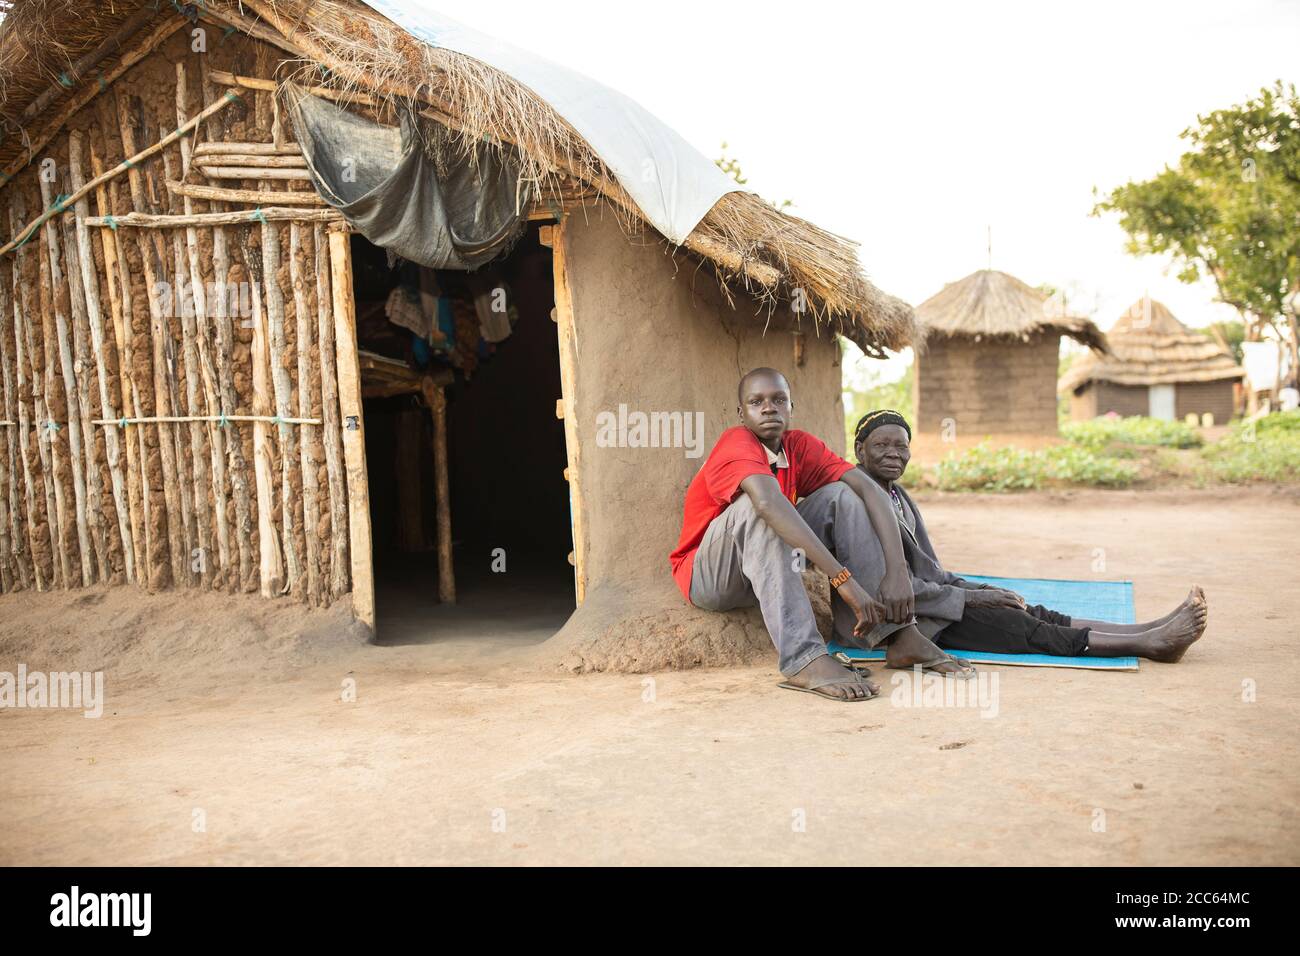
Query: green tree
1230, 210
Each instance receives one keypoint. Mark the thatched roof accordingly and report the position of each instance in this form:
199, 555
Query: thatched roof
1151, 347
346, 45
992, 304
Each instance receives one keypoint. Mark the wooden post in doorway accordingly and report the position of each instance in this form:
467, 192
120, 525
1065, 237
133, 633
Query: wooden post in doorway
354, 441
436, 398
556, 237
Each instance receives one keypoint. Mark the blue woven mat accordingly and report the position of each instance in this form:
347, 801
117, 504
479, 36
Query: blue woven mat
1094, 600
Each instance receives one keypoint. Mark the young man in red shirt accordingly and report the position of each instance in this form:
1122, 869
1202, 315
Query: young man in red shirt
767, 499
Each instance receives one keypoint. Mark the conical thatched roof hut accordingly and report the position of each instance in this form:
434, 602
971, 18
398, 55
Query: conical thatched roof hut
1156, 366
228, 366
989, 362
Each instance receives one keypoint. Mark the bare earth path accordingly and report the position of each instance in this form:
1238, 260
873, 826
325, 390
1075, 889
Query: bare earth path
451, 754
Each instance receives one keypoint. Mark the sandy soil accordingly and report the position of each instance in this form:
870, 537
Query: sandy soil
453, 752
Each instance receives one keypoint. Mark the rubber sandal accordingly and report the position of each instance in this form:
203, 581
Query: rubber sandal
967, 671
837, 681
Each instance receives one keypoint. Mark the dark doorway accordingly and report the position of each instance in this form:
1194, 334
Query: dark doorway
509, 499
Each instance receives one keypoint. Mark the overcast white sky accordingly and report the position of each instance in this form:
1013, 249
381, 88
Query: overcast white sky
914, 127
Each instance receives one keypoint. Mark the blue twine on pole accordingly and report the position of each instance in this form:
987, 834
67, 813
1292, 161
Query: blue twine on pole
102, 85
121, 422
128, 164
112, 223
65, 81
59, 200
258, 216
51, 426
222, 421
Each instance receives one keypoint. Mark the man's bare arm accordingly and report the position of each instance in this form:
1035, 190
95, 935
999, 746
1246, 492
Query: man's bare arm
774, 508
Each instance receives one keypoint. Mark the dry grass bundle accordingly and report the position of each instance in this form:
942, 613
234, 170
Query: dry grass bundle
993, 304
745, 238
1149, 346
343, 44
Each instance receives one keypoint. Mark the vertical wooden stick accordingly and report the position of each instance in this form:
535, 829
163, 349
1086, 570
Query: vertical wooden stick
136, 480
331, 435
568, 385
354, 445
225, 336
436, 397
95, 318
172, 327
11, 539
200, 335
16, 438
63, 343
229, 404
152, 259
25, 341
189, 306
271, 569
278, 355
310, 499
81, 370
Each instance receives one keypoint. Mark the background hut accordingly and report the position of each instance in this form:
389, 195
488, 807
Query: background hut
203, 385
990, 357
1157, 367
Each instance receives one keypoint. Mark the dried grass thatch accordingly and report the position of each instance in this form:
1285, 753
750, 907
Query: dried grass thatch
992, 304
346, 45
1149, 346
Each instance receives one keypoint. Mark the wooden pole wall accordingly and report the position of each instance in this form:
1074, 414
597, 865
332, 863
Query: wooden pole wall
129, 374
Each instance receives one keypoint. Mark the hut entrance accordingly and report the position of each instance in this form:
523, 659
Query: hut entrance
469, 361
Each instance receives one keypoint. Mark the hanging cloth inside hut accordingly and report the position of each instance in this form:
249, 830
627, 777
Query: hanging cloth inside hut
455, 214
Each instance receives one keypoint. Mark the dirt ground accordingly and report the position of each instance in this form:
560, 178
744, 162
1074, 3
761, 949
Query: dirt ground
225, 738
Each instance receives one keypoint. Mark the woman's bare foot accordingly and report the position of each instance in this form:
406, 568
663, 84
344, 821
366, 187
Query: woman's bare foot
1169, 642
909, 647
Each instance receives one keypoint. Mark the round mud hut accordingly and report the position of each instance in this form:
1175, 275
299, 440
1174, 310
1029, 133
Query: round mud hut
344, 303
1158, 367
990, 357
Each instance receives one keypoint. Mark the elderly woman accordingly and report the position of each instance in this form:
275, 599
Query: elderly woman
959, 614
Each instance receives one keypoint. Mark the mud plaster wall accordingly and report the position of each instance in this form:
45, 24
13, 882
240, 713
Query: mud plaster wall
989, 386
656, 334
147, 94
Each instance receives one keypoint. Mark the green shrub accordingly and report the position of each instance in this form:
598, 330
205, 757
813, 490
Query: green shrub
1099, 433
985, 468
1270, 453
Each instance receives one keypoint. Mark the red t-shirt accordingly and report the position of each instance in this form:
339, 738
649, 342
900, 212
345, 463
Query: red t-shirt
737, 455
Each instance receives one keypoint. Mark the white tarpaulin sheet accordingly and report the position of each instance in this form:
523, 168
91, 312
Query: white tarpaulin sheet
672, 182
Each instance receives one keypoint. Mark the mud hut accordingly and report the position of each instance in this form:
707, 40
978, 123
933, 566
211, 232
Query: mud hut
1157, 367
990, 357
302, 298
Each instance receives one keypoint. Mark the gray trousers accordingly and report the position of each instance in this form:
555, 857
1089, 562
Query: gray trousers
742, 562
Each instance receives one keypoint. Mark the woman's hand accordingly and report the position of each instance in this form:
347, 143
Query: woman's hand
896, 594
869, 611
994, 597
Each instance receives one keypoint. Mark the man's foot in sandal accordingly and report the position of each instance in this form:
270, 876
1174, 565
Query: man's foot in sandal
909, 648
825, 677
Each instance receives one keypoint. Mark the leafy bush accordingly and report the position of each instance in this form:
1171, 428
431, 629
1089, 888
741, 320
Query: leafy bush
986, 468
1269, 452
1099, 433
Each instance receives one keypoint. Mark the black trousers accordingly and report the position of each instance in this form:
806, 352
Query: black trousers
1009, 630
